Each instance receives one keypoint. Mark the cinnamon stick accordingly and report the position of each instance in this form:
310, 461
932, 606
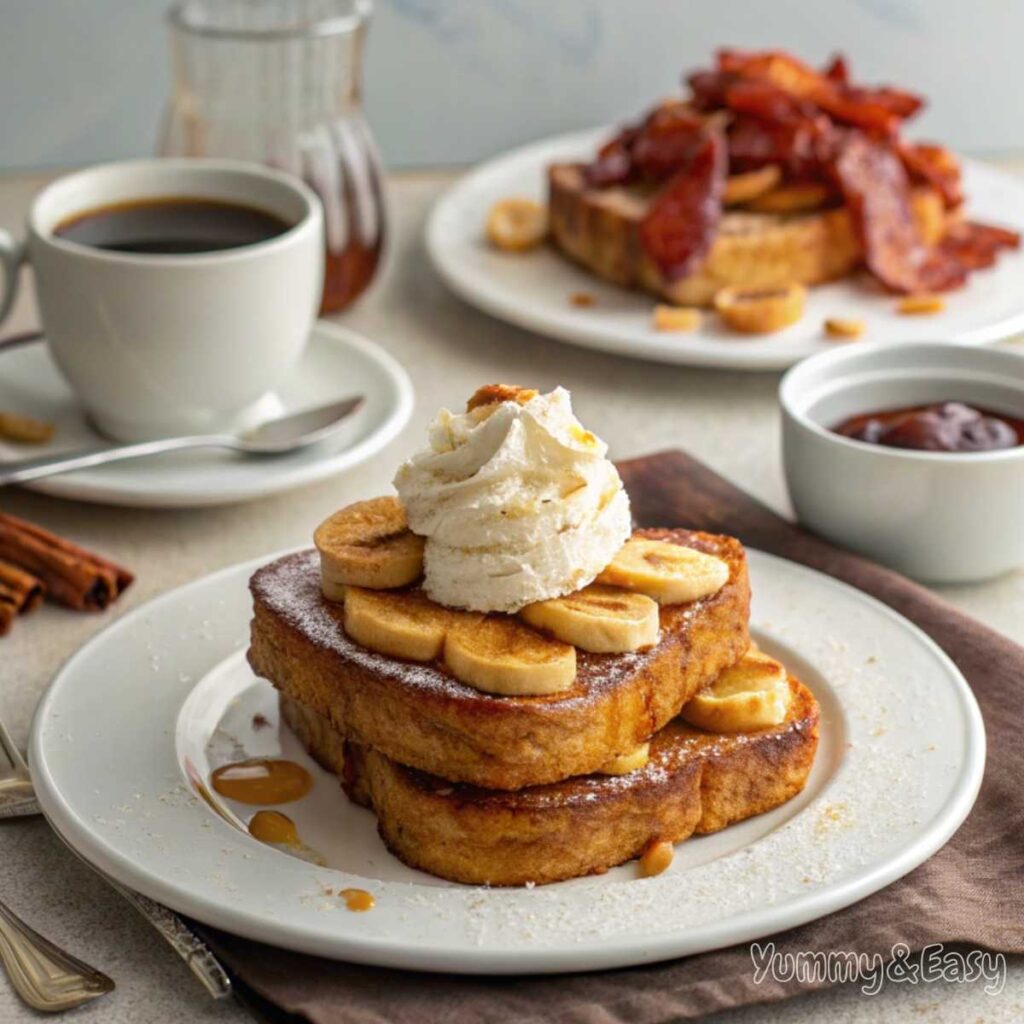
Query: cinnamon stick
71, 575
27, 589
20, 592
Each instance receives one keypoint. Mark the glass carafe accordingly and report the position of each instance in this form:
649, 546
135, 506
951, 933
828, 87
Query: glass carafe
278, 82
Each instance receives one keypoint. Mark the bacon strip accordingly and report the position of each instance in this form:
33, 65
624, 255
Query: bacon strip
880, 109
755, 109
667, 142
613, 165
709, 88
651, 150
804, 148
975, 245
680, 226
837, 70
935, 166
876, 189
762, 98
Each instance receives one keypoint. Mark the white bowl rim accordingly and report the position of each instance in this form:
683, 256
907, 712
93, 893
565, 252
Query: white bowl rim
791, 382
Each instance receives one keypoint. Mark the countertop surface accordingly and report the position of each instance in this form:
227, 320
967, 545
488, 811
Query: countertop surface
730, 420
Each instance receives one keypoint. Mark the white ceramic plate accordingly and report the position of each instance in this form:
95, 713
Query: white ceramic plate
533, 290
337, 363
899, 765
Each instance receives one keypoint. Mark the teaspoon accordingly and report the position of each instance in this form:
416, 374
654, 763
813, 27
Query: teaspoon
274, 437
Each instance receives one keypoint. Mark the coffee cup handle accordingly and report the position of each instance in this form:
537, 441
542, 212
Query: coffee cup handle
12, 255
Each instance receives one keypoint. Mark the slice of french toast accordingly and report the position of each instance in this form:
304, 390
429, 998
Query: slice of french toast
598, 229
420, 715
694, 782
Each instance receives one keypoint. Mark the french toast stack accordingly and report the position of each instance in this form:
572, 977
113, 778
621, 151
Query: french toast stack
553, 742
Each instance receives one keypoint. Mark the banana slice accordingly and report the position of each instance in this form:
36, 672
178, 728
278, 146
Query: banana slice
605, 620
403, 625
517, 224
844, 328
676, 318
761, 310
501, 655
669, 573
495, 654
368, 544
797, 197
753, 694
921, 304
623, 764
742, 188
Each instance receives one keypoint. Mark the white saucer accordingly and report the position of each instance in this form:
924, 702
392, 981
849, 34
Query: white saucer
532, 290
336, 363
901, 757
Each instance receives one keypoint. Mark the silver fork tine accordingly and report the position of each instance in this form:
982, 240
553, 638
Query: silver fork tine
46, 977
16, 794
13, 753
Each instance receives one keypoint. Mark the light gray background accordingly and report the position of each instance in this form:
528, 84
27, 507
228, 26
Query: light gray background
451, 81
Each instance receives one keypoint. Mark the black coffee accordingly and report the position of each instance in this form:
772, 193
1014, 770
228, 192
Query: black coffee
171, 225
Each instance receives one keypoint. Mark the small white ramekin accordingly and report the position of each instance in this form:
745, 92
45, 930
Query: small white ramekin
936, 516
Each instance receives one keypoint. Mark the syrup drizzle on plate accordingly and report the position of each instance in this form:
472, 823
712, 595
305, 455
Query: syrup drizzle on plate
358, 900
262, 781
273, 827
266, 781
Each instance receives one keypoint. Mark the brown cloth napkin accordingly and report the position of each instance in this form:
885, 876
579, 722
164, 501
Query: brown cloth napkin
972, 891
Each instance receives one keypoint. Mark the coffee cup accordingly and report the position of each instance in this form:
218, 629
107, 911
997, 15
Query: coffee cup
158, 342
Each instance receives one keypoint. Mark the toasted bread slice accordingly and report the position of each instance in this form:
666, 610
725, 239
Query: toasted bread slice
419, 715
694, 782
598, 229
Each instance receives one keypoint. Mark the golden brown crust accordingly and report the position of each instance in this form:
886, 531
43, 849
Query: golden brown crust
598, 228
694, 782
419, 715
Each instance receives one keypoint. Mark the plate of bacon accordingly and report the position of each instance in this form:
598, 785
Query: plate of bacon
768, 212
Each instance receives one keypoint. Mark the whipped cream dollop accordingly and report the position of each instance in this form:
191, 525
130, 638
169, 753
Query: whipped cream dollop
517, 501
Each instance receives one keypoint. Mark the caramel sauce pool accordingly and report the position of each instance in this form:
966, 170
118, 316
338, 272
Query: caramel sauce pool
274, 827
358, 900
262, 781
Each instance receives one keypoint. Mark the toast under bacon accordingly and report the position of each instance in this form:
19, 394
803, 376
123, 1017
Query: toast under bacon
598, 228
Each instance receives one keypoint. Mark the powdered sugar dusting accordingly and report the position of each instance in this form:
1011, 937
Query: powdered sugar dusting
291, 588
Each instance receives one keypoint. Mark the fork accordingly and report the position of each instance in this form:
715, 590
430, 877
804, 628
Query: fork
16, 794
45, 976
